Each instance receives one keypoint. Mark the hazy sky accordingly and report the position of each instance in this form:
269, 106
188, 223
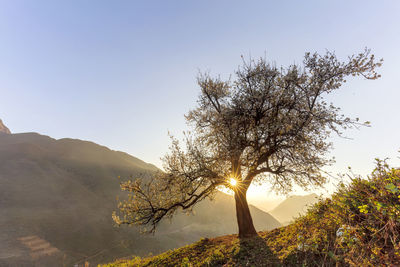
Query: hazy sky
122, 73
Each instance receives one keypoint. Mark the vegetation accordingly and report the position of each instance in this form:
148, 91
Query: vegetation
358, 226
268, 125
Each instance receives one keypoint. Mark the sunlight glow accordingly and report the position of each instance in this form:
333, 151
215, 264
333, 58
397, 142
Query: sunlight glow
233, 182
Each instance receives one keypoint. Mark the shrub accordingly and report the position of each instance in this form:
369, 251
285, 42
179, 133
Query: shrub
358, 226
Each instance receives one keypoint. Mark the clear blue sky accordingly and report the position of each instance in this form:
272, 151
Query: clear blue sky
122, 73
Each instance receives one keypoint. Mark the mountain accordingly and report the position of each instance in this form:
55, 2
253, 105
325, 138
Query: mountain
3, 128
57, 196
292, 207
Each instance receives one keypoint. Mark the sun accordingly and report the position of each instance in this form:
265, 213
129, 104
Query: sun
233, 182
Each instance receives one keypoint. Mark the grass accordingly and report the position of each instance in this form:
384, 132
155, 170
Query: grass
225, 250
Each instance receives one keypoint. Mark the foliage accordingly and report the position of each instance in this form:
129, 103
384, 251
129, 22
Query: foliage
358, 226
270, 124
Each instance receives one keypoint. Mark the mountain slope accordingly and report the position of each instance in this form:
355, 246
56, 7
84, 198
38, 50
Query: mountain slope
293, 207
57, 196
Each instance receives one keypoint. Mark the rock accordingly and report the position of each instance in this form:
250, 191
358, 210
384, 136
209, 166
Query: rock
3, 128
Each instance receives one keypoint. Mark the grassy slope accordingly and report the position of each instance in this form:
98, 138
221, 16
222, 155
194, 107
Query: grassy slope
358, 226
263, 250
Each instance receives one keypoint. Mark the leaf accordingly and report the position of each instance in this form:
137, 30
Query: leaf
363, 209
332, 255
392, 188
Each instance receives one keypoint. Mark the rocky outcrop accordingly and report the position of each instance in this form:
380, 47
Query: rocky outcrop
3, 128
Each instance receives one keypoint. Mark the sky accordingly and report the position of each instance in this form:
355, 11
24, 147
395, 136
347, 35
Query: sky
123, 73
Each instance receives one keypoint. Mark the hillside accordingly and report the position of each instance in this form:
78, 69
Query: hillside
57, 196
292, 207
358, 226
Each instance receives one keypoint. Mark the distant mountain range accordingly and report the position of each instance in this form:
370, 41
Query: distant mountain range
293, 207
57, 196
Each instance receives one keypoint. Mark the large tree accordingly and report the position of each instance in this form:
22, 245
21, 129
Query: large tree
268, 124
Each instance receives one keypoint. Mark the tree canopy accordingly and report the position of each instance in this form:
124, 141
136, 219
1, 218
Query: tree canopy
268, 124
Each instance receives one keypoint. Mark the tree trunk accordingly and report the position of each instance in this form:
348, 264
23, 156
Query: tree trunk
245, 222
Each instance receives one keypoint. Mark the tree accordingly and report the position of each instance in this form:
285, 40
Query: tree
267, 125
